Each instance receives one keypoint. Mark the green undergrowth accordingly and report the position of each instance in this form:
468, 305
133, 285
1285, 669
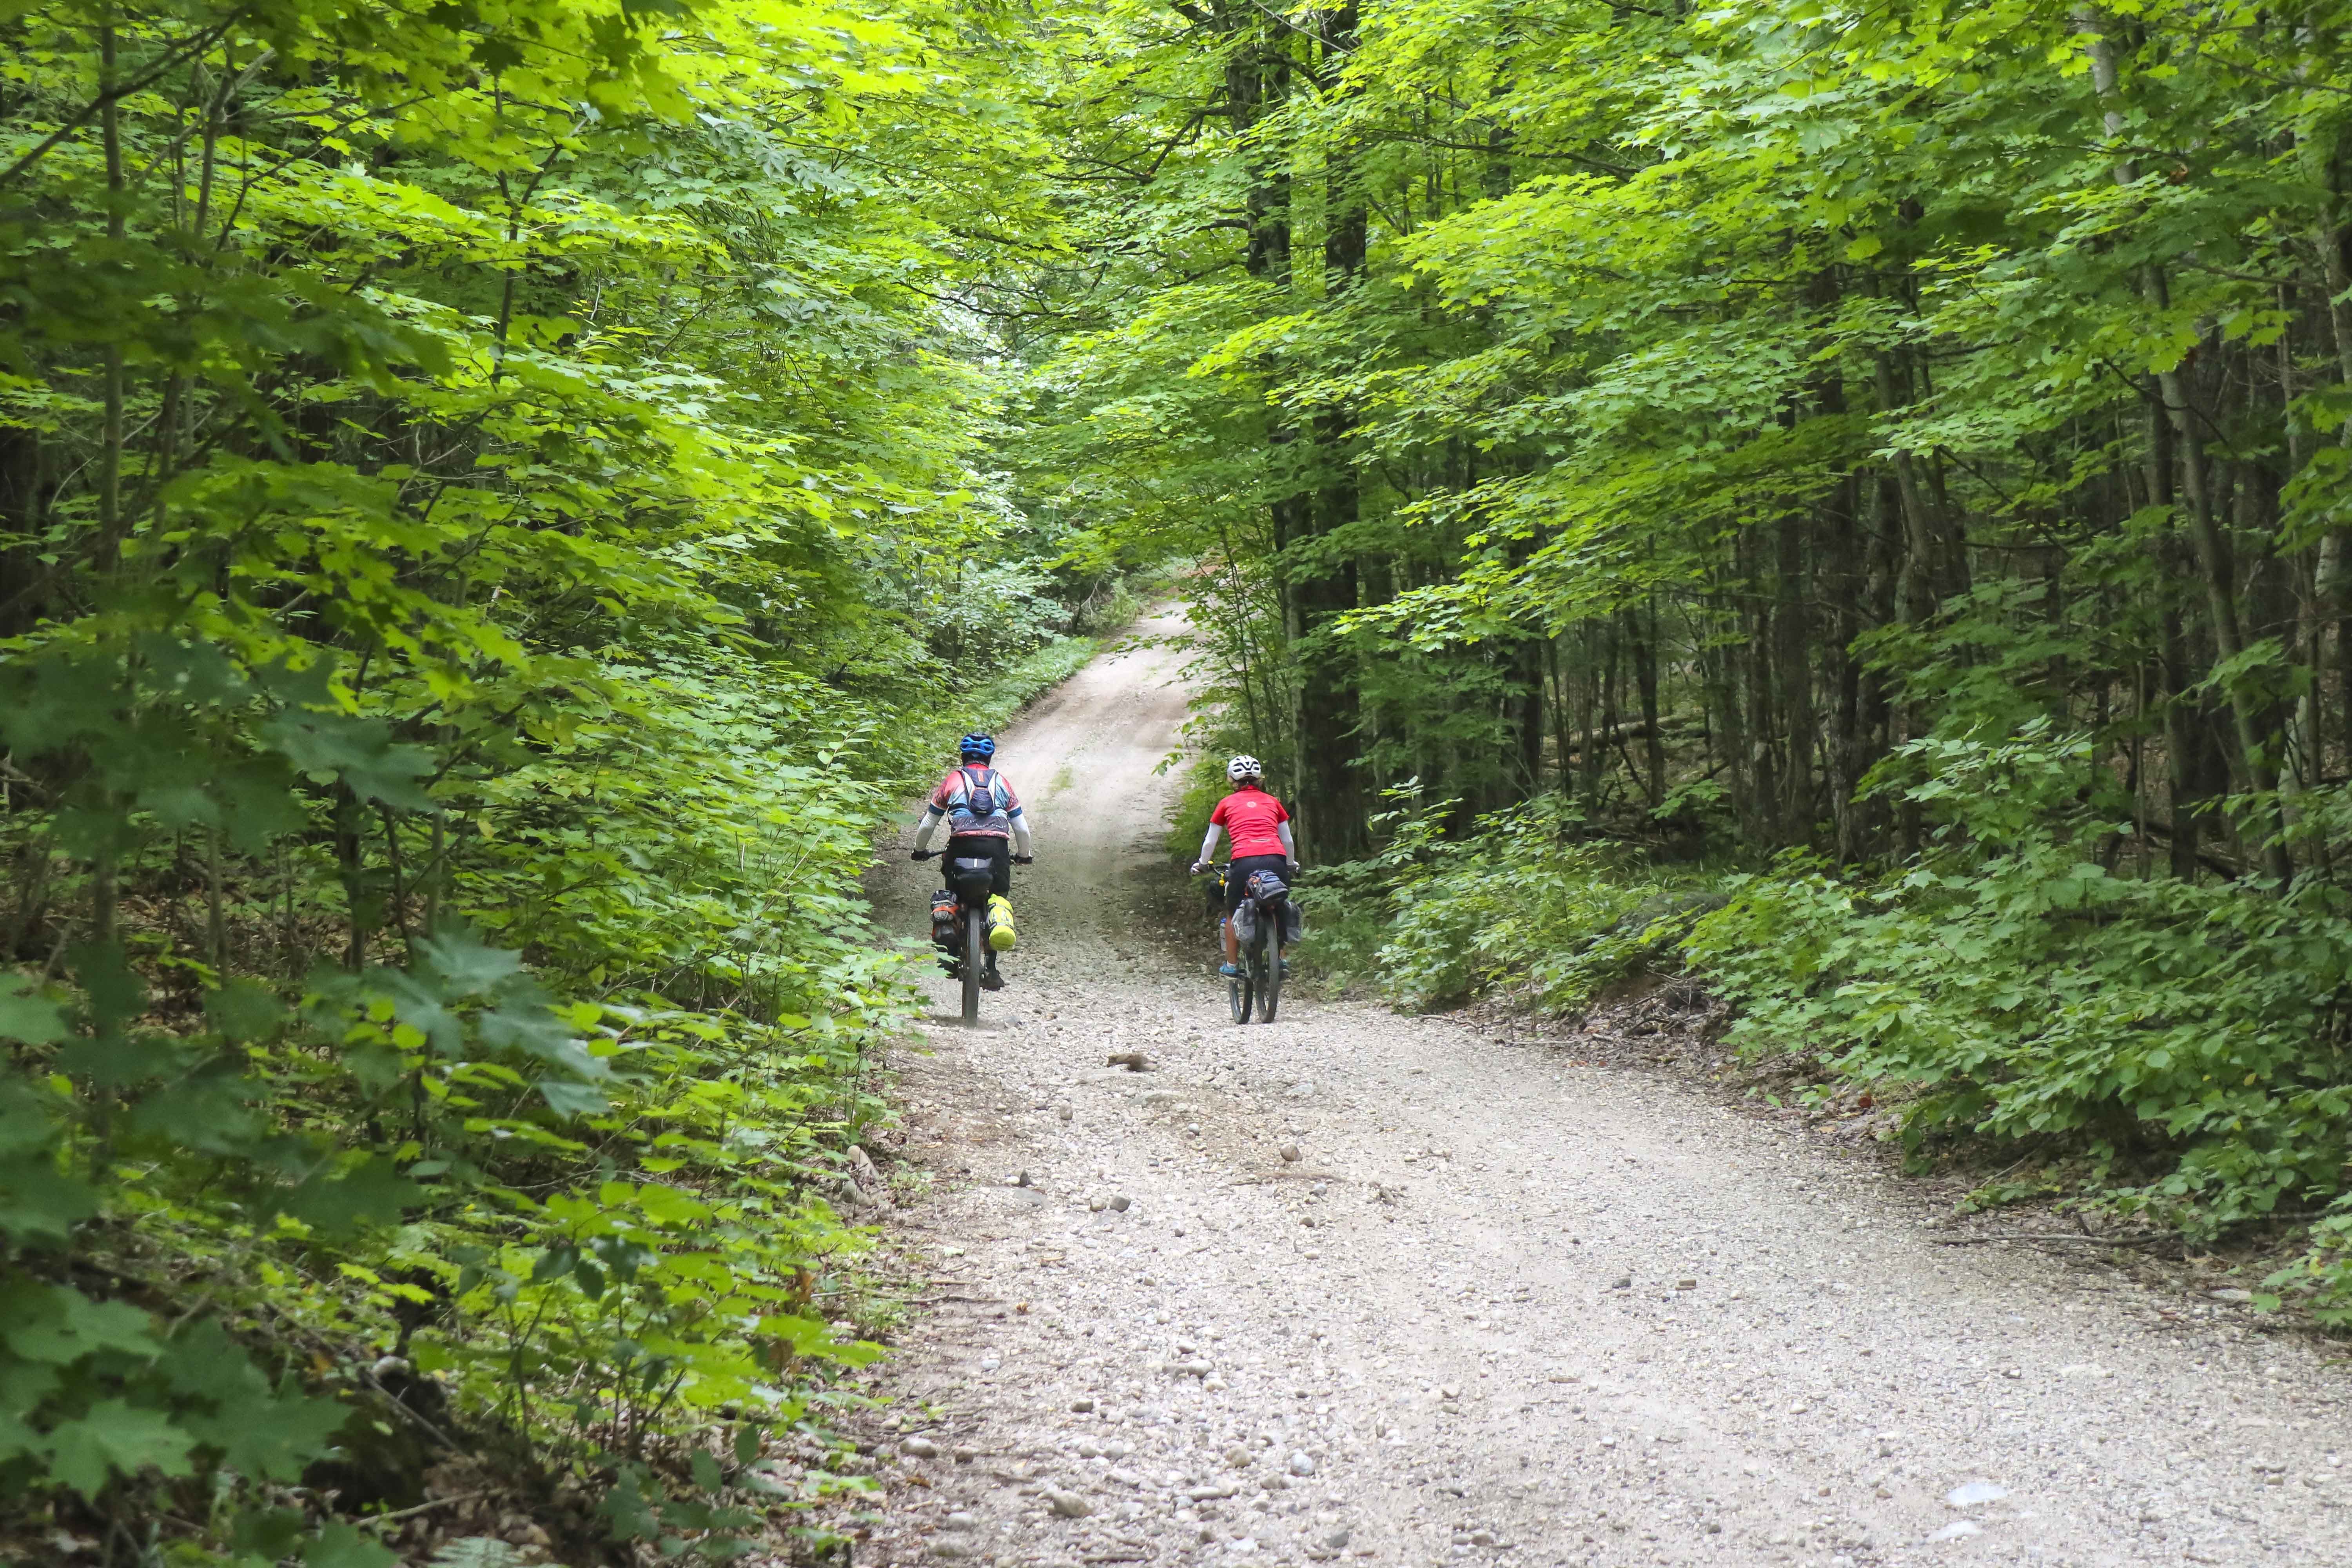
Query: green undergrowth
543, 1183
495, 516
1520, 904
2175, 1050
1000, 700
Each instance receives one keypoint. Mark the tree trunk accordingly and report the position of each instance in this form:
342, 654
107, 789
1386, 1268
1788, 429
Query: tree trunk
2215, 566
1643, 621
1323, 584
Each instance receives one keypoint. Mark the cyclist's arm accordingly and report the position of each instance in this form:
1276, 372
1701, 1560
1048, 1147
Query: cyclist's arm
923, 829
1289, 846
1208, 845
1021, 834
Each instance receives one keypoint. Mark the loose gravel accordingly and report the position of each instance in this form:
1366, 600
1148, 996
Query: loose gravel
1356, 1287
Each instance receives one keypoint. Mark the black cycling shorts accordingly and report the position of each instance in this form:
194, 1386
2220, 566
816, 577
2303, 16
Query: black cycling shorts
1237, 874
980, 846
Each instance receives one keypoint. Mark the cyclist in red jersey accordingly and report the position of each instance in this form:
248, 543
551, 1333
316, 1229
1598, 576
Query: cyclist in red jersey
1260, 830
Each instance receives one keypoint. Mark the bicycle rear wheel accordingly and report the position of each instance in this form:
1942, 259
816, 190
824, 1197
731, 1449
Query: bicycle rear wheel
975, 960
1238, 991
1270, 986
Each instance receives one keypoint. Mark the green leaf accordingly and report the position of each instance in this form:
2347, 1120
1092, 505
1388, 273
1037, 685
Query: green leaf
360, 752
244, 1011
372, 1191
264, 1433
26, 1016
268, 1534
116, 1438
27, 1120
632, 1514
275, 1440
464, 965
572, 1098
39, 1203
58, 1325
346, 1546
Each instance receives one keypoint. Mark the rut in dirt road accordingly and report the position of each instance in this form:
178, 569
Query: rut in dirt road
1502, 1307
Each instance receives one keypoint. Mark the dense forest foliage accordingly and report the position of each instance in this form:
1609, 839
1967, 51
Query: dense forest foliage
497, 502
1883, 471
496, 506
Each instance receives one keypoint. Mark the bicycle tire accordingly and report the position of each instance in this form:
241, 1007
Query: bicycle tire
1270, 988
1237, 992
974, 958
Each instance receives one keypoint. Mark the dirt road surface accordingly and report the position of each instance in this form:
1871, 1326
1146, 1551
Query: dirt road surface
1502, 1309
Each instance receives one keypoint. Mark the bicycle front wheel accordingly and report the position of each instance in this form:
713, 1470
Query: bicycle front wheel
975, 961
1239, 992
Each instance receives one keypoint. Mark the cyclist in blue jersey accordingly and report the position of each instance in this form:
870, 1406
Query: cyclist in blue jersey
984, 822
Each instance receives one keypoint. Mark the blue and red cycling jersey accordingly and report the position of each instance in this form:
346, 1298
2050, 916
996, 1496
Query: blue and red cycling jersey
977, 803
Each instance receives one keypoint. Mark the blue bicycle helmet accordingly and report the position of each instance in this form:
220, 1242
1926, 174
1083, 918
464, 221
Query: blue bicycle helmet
978, 746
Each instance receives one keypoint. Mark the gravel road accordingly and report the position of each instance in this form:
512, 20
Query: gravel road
1499, 1308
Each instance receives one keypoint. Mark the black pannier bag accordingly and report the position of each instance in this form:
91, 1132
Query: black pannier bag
1270, 899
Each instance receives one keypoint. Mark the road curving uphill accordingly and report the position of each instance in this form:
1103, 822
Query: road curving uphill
1356, 1287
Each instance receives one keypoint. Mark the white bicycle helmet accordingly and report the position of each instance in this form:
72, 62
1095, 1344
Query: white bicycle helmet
1243, 767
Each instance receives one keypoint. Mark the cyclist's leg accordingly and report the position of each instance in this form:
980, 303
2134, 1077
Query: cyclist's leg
1237, 875
998, 855
1225, 931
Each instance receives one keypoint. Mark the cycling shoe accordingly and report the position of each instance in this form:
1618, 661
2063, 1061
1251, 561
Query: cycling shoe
991, 981
1230, 971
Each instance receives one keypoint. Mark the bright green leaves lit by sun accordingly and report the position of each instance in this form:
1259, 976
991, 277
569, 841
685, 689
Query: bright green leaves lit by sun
496, 500
1910, 439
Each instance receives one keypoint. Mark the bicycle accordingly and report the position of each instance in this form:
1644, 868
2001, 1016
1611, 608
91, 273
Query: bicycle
1259, 983
967, 878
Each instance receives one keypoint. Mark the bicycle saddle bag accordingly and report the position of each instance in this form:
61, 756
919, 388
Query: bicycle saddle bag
971, 876
1267, 888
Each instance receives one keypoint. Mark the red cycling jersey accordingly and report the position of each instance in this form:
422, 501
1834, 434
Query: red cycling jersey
1250, 817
